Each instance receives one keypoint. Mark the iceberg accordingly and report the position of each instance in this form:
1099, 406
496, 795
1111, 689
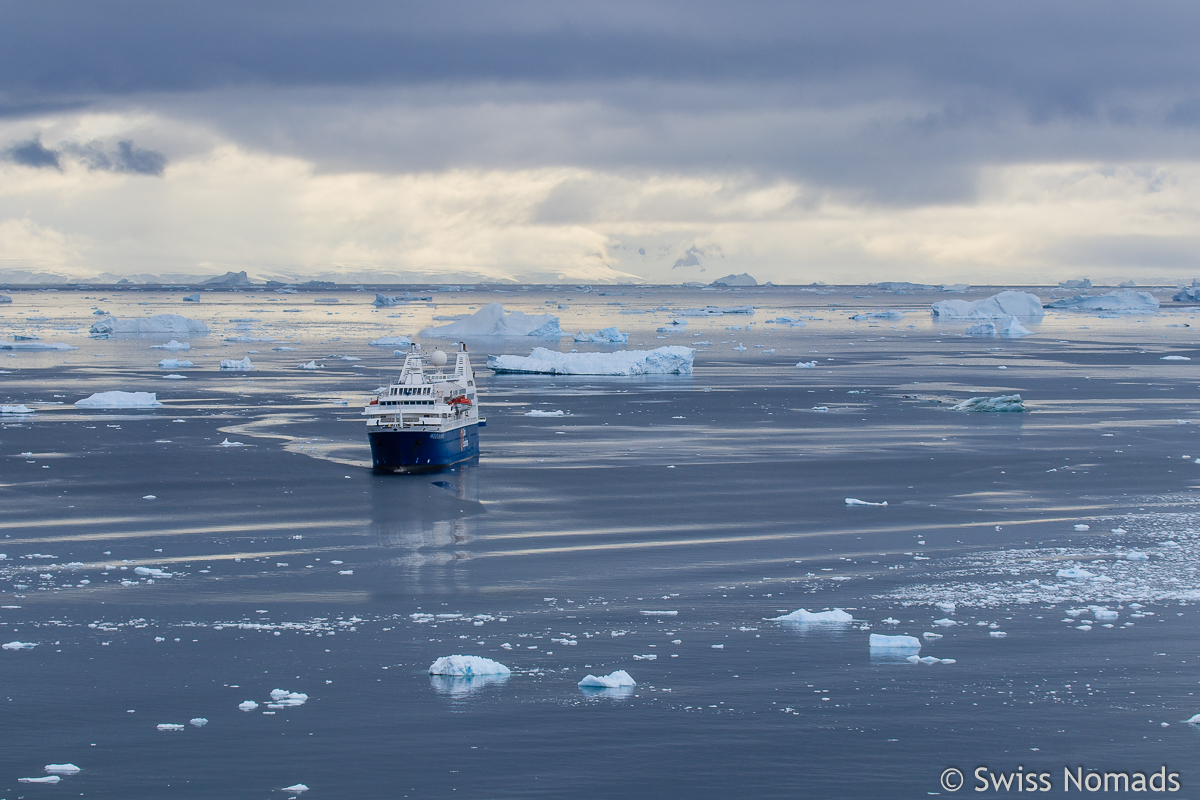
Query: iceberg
295, 788
998, 306
389, 341
170, 726
174, 363
120, 400
1003, 403
467, 666
18, 646
613, 680
1013, 329
172, 345
606, 336
1186, 294
881, 642
17, 409
673, 360
806, 364
160, 323
192, 298
882, 315
62, 769
47, 779
247, 705
311, 365
36, 346
1123, 301
385, 301
5, 298
491, 320
983, 329
836, 616
244, 364
854, 501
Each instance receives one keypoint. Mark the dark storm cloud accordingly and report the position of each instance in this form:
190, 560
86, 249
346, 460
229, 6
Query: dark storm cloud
126, 157
32, 154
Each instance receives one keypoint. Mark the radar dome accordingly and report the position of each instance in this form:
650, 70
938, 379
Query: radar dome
438, 358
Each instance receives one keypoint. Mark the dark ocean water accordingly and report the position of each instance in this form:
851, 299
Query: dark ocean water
718, 496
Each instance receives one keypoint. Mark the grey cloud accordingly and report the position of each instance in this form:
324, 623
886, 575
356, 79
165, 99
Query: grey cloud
32, 154
126, 157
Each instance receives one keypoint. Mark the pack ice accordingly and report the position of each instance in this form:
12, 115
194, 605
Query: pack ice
1003, 403
1124, 301
673, 360
606, 336
881, 642
491, 320
998, 306
159, 323
467, 666
613, 680
836, 616
120, 400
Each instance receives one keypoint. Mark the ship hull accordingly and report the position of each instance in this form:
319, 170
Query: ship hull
422, 451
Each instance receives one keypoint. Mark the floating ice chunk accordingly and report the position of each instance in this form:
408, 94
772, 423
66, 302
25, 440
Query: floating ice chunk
673, 360
931, 636
5, 298
880, 642
1136, 555
1124, 301
890, 621
1175, 358
982, 330
312, 365
198, 722
878, 315
1084, 627
997, 634
169, 726
174, 363
1013, 329
120, 400
659, 613
160, 323
1082, 527
853, 501
650, 657
283, 349
19, 646
285, 699
606, 336
47, 779
467, 666
174, 376
172, 346
18, 409
945, 622
391, 341
384, 301
717, 646
836, 616
228, 443
244, 364
1002, 403
804, 364
36, 346
946, 605
537, 412
62, 769
998, 306
247, 705
298, 788
613, 680
152, 572
491, 320
1103, 613
1193, 720
192, 298
1074, 572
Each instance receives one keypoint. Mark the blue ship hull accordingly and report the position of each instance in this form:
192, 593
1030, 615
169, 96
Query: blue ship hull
422, 451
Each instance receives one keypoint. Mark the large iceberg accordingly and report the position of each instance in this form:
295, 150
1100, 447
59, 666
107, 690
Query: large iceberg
1125, 301
159, 323
1003, 403
836, 617
120, 400
606, 336
881, 642
244, 364
613, 680
998, 306
673, 360
467, 666
491, 320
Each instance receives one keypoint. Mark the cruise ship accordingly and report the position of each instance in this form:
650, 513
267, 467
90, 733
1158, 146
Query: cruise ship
429, 418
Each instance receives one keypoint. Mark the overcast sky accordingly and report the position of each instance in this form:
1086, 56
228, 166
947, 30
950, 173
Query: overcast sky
843, 142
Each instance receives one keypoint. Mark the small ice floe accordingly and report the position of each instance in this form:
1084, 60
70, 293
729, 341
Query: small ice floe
120, 400
853, 501
834, 617
1003, 403
295, 788
248, 705
1175, 358
537, 412
345, 572
982, 330
243, 365
1103, 613
172, 346
311, 365
606, 336
18, 409
931, 636
228, 443
47, 779
1082, 527
62, 769
175, 376
284, 699
1193, 720
880, 642
650, 657
169, 726
997, 634
1137, 555
819, 408
945, 622
1077, 573
19, 645
613, 680
175, 363
659, 613
890, 621
467, 666
351, 358
198, 722
283, 349
717, 646
806, 364
152, 572
1084, 627
946, 605
929, 660
672, 360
